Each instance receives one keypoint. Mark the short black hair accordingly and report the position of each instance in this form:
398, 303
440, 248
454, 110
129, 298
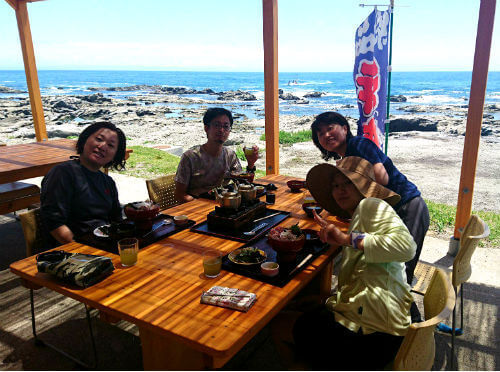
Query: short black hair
213, 112
327, 118
118, 161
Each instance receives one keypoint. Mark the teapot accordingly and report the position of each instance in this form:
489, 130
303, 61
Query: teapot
247, 191
228, 199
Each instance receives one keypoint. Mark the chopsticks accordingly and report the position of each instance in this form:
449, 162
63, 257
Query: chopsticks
263, 218
302, 263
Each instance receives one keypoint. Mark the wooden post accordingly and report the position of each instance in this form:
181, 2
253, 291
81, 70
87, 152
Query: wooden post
23, 25
271, 104
475, 114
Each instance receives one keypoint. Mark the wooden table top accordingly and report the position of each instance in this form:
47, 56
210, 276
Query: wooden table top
162, 291
28, 160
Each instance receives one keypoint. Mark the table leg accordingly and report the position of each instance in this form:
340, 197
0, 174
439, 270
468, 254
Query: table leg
162, 353
325, 281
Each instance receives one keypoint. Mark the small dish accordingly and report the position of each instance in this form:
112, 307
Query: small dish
260, 189
180, 220
309, 207
269, 268
102, 231
311, 235
233, 256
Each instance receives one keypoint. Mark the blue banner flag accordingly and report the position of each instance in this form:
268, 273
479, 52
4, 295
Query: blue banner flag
370, 75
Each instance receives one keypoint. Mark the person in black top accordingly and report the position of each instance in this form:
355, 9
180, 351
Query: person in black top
76, 197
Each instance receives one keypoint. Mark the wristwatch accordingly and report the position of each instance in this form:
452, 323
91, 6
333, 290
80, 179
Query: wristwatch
356, 237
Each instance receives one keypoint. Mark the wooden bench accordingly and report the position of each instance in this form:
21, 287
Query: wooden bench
18, 195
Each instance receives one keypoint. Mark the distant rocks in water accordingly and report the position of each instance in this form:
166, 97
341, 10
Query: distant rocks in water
289, 97
413, 124
96, 98
398, 98
10, 90
237, 95
153, 88
314, 95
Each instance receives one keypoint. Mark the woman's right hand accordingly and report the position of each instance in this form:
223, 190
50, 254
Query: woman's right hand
329, 233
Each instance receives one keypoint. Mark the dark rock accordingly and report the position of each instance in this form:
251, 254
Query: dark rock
280, 91
91, 115
10, 90
314, 95
62, 133
206, 91
63, 105
398, 98
412, 124
289, 97
142, 112
236, 95
96, 98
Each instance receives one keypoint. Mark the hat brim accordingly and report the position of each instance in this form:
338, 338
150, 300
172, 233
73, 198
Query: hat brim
319, 182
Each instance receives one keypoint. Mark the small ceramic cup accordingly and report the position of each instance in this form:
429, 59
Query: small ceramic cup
180, 220
269, 268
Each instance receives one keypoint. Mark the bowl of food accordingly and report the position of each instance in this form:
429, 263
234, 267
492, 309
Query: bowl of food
269, 269
295, 185
181, 220
247, 256
310, 207
247, 176
141, 210
286, 241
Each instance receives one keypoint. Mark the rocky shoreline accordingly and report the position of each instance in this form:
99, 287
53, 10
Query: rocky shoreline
426, 141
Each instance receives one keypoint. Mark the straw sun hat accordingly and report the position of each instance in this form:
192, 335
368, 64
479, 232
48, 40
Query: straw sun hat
359, 171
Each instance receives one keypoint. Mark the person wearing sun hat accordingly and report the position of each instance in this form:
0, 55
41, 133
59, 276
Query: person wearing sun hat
365, 321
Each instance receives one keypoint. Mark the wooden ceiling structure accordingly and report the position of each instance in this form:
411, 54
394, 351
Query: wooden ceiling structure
271, 104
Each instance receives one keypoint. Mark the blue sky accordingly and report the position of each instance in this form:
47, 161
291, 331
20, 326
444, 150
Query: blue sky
226, 35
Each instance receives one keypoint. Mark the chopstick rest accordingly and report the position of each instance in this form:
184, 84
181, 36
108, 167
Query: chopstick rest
232, 298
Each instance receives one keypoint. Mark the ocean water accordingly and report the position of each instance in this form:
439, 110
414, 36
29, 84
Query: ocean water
420, 88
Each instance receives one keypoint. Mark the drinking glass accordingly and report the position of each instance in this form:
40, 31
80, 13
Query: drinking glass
248, 150
128, 249
212, 262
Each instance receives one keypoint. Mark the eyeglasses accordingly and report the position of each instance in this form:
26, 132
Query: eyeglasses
226, 127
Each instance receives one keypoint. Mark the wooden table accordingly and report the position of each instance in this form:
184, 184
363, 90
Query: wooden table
35, 159
161, 293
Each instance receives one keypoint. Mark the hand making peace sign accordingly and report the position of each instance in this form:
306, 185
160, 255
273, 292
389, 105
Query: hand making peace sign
329, 233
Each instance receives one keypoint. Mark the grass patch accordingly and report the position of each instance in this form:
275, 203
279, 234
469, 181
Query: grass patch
292, 137
443, 218
72, 137
146, 162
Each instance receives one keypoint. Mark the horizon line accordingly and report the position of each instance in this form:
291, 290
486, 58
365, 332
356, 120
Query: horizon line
215, 71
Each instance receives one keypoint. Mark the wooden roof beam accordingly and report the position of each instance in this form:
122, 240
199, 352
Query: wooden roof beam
271, 104
475, 114
23, 25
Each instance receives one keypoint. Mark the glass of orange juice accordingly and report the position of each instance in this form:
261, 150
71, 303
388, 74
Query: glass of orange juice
212, 262
128, 249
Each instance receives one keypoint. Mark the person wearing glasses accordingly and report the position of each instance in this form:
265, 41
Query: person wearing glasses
204, 167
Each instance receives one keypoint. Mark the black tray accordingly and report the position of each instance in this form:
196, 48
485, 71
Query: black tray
315, 248
238, 235
110, 245
211, 196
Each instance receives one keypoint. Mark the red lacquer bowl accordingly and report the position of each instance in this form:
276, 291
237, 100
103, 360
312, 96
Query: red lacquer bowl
286, 249
296, 185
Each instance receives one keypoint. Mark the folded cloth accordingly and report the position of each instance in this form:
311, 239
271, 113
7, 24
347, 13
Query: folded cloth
232, 298
80, 269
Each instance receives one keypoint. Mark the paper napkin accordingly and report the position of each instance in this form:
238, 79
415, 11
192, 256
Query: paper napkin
232, 298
